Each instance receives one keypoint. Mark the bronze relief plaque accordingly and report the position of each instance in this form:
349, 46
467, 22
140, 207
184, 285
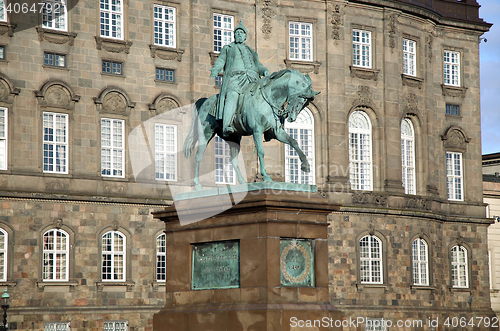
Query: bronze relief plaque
216, 265
297, 262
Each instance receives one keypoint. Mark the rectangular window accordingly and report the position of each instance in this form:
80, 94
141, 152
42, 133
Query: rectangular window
165, 152
223, 31
3, 13
361, 48
54, 15
164, 25
54, 60
375, 324
224, 172
111, 13
111, 67
115, 326
2, 52
452, 109
3, 138
218, 81
459, 267
454, 174
452, 68
301, 41
57, 326
161, 258
112, 147
409, 57
165, 75
55, 143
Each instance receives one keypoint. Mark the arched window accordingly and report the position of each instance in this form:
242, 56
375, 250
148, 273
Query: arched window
113, 256
370, 256
161, 258
408, 156
301, 130
459, 267
360, 151
4, 240
55, 255
420, 255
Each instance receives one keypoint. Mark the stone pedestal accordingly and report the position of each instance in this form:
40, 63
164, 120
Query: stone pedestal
258, 222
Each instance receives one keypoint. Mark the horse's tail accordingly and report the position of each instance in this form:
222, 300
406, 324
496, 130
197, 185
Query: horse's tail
192, 136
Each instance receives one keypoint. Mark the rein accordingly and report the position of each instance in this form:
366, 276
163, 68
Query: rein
278, 111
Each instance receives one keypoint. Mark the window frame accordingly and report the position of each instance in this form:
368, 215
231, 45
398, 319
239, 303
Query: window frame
5, 250
453, 189
408, 151
114, 325
161, 257
356, 63
111, 63
55, 325
371, 259
301, 38
451, 81
223, 41
112, 148
174, 153
3, 9
466, 251
54, 18
55, 252
54, 65
4, 140
305, 115
65, 144
113, 255
358, 131
164, 70
422, 263
172, 23
451, 106
409, 57
225, 157
111, 13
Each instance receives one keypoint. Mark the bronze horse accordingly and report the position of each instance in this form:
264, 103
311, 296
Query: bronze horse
262, 110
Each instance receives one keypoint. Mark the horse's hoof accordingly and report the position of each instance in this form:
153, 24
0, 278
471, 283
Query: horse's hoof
198, 187
305, 168
268, 179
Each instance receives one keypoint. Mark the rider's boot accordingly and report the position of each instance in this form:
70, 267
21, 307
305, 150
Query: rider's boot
229, 110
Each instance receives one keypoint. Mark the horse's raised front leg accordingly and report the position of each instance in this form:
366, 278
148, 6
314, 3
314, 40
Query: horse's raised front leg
202, 146
284, 137
235, 150
257, 138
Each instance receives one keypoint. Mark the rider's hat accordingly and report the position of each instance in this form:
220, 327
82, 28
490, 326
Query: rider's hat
241, 26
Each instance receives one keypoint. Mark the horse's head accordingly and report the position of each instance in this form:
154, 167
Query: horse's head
300, 94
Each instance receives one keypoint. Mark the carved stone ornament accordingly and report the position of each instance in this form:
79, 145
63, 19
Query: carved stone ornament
166, 53
337, 22
460, 240
7, 28
411, 104
369, 199
163, 103
213, 57
303, 66
391, 27
364, 73
55, 36
267, 14
363, 97
371, 230
113, 45
455, 139
114, 100
7, 89
58, 223
114, 188
454, 91
430, 41
411, 81
115, 225
418, 203
57, 94
57, 185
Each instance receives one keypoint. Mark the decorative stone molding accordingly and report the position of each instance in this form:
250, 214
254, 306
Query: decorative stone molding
430, 41
364, 73
163, 103
7, 89
100, 285
213, 57
392, 29
418, 203
414, 288
166, 53
454, 91
58, 223
71, 284
7, 28
364, 97
369, 199
455, 139
303, 66
113, 45
411, 104
267, 14
114, 100
55, 36
115, 225
411, 81
115, 188
58, 94
361, 286
337, 22
57, 185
